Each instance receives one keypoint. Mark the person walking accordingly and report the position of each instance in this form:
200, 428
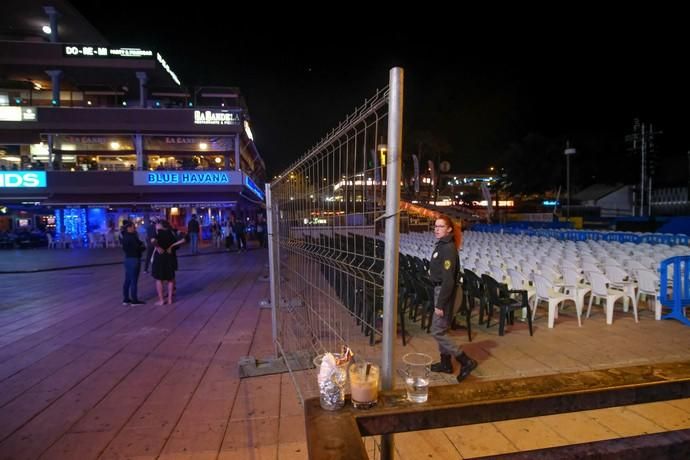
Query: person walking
443, 272
261, 230
133, 247
239, 228
193, 232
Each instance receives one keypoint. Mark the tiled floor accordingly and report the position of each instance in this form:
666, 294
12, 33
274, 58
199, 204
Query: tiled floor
83, 377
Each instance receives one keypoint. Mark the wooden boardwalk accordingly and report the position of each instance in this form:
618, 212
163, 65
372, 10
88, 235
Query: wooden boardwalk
82, 377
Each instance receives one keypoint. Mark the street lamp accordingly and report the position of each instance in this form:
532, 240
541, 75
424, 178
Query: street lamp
568, 152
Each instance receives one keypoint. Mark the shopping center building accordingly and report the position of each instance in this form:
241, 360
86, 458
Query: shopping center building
92, 133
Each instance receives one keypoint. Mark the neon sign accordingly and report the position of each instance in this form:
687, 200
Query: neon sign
209, 117
22, 179
253, 187
184, 178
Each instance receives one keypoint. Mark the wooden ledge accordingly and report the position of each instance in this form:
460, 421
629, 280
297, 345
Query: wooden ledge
338, 435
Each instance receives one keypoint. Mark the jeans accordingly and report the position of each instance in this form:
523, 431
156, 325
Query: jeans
129, 289
194, 240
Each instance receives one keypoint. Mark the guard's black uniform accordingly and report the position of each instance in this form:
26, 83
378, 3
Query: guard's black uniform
443, 272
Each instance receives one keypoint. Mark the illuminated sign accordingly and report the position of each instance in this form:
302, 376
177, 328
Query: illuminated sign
22, 179
253, 187
167, 68
248, 130
550, 203
17, 113
185, 178
105, 52
209, 117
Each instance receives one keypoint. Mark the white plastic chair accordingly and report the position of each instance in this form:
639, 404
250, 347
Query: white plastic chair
546, 293
600, 289
620, 279
572, 284
648, 284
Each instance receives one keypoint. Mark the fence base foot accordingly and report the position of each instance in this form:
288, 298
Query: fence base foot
252, 367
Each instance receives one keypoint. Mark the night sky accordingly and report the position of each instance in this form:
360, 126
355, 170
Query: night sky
478, 82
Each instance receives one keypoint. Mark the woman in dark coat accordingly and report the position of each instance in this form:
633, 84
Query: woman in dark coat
164, 260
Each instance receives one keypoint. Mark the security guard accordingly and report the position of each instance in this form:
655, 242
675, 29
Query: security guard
443, 272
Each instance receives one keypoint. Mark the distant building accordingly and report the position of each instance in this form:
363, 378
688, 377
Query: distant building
612, 200
88, 125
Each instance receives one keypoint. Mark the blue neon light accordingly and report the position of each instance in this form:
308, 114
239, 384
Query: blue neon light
253, 187
187, 178
550, 203
22, 179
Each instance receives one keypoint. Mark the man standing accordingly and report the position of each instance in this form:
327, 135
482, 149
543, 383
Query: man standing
193, 231
132, 247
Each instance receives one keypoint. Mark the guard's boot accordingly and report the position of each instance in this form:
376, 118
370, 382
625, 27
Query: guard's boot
445, 365
467, 365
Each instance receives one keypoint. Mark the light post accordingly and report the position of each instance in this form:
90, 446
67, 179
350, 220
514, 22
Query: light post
568, 152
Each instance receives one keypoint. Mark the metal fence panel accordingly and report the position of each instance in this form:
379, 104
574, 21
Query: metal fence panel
327, 255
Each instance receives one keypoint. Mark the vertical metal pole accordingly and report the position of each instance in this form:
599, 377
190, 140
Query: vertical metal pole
687, 197
238, 161
568, 152
273, 269
390, 279
567, 169
649, 200
642, 169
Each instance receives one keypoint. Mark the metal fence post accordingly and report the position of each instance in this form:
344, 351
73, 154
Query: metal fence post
392, 248
274, 269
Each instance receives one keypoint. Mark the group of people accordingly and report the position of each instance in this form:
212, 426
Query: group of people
161, 243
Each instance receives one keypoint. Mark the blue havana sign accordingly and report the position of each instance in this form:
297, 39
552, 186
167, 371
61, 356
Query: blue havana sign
183, 178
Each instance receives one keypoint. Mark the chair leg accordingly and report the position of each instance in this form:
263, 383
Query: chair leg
529, 320
610, 302
552, 314
502, 322
402, 324
481, 311
469, 325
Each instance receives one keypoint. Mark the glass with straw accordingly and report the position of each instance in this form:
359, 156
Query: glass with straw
364, 384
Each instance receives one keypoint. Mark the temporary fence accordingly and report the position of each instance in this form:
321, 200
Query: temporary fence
329, 258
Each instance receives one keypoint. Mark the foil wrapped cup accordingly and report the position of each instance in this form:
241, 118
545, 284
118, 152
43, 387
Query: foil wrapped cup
332, 378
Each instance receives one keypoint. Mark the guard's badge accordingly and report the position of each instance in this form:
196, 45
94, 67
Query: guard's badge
446, 264
435, 254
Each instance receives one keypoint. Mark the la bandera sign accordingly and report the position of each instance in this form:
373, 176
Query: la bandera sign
182, 178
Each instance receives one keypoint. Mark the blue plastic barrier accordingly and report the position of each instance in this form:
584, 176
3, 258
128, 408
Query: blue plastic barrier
680, 297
